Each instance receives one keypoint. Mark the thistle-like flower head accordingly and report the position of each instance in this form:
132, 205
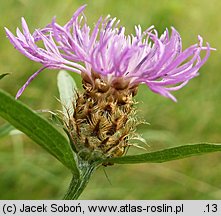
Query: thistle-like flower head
112, 65
106, 51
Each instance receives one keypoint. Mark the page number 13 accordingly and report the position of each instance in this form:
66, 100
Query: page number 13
211, 208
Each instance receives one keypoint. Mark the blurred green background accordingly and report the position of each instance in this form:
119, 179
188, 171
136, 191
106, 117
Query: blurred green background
28, 172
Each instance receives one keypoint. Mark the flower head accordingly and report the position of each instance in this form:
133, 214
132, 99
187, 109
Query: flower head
112, 65
117, 58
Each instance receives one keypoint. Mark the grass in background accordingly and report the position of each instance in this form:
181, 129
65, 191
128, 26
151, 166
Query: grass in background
28, 172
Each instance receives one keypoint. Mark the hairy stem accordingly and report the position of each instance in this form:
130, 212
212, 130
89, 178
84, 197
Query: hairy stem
78, 184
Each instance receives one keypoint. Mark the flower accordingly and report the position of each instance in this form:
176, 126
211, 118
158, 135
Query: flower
112, 65
157, 61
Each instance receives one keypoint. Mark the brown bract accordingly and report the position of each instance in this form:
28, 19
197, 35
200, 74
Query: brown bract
103, 118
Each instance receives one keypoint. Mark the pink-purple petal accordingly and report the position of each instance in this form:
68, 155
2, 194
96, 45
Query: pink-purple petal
146, 57
30, 79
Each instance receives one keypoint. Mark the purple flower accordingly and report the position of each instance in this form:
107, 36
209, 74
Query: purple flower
146, 57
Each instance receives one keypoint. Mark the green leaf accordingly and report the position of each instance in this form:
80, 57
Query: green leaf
67, 90
168, 154
38, 129
3, 75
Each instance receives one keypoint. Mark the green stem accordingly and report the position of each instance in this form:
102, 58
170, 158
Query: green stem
78, 184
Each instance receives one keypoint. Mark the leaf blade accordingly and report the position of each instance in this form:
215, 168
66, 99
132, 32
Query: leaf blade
38, 129
3, 75
67, 90
169, 154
